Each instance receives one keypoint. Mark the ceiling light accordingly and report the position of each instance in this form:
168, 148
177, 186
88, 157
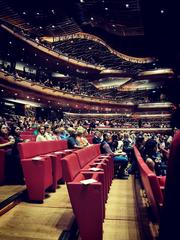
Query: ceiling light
162, 11
23, 49
2, 90
127, 5
106, 8
113, 25
24, 13
92, 18
10, 42
15, 94
81, 1
90, 48
40, 27
53, 26
37, 13
53, 11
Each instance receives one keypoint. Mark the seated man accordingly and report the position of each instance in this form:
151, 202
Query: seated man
120, 159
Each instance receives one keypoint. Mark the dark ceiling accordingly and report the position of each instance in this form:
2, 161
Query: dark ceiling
136, 27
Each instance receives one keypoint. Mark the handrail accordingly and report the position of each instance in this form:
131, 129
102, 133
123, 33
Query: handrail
91, 37
51, 52
55, 92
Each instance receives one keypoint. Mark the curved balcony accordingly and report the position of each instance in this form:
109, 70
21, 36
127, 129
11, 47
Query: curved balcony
60, 97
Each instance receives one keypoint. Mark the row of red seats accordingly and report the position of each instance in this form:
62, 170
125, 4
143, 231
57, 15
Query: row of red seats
88, 201
153, 185
42, 167
2, 166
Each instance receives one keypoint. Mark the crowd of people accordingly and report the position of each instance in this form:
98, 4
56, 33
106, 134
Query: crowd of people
153, 147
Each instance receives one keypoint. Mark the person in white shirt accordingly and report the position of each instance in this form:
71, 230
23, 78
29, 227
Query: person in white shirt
49, 134
41, 134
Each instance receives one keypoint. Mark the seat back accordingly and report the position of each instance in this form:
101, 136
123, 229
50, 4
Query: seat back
85, 155
2, 165
70, 167
151, 184
28, 150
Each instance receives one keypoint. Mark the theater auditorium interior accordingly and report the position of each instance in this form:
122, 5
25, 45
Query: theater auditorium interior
89, 120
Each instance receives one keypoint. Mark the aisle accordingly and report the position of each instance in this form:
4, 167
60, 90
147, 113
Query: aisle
38, 221
121, 221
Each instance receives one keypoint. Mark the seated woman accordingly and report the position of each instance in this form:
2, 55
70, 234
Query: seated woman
6, 143
15, 132
41, 134
49, 135
120, 159
81, 139
151, 152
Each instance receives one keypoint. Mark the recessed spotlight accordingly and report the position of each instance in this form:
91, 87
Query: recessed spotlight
127, 5
113, 25
53, 26
40, 27
90, 48
23, 49
106, 8
47, 59
15, 94
2, 90
81, 1
53, 11
37, 13
57, 63
92, 18
24, 13
27, 96
162, 11
10, 42
38, 99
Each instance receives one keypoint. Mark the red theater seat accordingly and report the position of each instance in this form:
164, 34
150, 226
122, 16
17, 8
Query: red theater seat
87, 200
2, 166
151, 185
37, 172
